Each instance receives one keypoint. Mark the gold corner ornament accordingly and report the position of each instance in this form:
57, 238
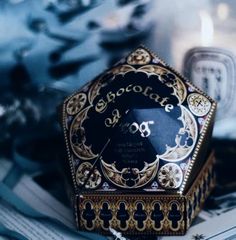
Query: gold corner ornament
198, 104
139, 57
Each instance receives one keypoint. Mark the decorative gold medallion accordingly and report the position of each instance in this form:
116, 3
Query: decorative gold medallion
82, 176
76, 103
170, 176
139, 57
198, 104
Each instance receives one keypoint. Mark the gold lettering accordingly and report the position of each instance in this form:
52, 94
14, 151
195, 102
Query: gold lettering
145, 93
163, 101
129, 88
137, 88
154, 96
168, 107
111, 122
120, 91
101, 106
111, 97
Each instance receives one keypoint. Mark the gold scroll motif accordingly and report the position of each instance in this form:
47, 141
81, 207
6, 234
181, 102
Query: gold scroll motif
172, 154
79, 147
143, 176
179, 152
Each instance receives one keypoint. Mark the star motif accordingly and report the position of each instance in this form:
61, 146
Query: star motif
198, 237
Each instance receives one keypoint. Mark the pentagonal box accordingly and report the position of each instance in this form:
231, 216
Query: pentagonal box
138, 142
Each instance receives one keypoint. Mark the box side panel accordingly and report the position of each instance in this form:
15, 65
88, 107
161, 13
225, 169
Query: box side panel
132, 214
202, 151
144, 214
200, 190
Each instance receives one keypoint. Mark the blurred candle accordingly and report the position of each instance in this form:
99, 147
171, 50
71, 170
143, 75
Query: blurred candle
212, 66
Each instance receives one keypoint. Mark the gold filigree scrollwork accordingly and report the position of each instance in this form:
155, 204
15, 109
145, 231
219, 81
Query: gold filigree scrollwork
175, 83
94, 91
78, 139
152, 70
143, 176
179, 89
122, 70
77, 131
181, 151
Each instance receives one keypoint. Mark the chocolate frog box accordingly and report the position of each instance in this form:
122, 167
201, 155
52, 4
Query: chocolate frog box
138, 144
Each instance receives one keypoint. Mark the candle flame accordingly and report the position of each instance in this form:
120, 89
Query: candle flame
223, 11
207, 28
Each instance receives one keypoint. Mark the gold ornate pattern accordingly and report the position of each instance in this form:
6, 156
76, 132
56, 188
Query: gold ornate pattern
139, 57
170, 176
118, 221
143, 176
140, 211
198, 104
175, 218
176, 83
208, 120
175, 153
82, 175
78, 144
105, 211
179, 152
202, 186
76, 103
157, 205
89, 226
94, 91
81, 148
173, 213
